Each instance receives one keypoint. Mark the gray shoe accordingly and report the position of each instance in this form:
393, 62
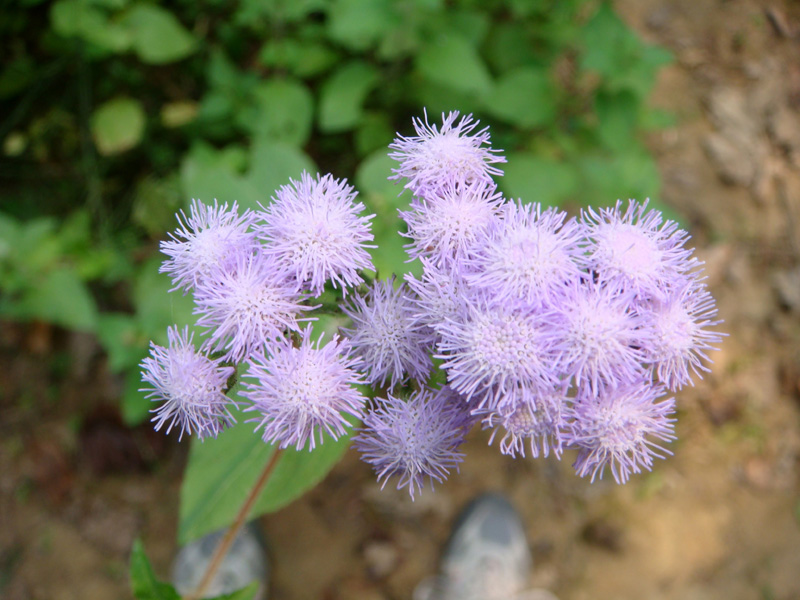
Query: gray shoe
487, 557
245, 562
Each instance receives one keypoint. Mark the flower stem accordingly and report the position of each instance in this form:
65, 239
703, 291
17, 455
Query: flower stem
230, 535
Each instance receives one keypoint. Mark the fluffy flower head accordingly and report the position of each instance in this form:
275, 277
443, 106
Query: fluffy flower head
620, 428
637, 248
313, 229
498, 348
533, 419
530, 255
392, 341
415, 439
190, 385
603, 333
211, 238
447, 226
247, 307
452, 153
301, 392
681, 338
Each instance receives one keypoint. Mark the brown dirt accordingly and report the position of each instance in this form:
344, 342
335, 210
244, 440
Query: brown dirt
719, 520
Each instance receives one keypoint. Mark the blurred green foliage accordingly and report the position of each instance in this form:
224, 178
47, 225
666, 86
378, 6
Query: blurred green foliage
115, 113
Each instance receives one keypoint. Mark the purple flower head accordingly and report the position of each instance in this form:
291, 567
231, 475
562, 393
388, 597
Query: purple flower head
531, 255
415, 439
637, 248
392, 341
439, 296
532, 418
604, 335
681, 336
498, 348
619, 428
451, 153
301, 392
445, 227
313, 229
190, 385
211, 238
247, 307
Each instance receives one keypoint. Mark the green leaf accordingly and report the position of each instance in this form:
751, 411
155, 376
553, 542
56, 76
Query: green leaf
157, 36
272, 164
246, 593
118, 125
453, 62
374, 132
383, 197
61, 298
533, 178
222, 471
342, 96
121, 339
618, 55
617, 115
208, 174
303, 59
604, 179
525, 97
509, 46
284, 110
135, 404
144, 584
360, 24
156, 307
78, 18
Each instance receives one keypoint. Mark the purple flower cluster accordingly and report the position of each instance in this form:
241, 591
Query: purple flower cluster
252, 277
554, 332
557, 333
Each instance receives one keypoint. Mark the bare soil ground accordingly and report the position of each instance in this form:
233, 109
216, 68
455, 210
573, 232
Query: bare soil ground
718, 520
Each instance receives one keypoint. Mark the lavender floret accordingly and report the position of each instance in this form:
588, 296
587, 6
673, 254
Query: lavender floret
190, 384
415, 439
301, 392
209, 239
394, 344
313, 229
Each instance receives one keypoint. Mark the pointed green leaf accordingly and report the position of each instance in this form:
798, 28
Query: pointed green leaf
222, 471
61, 298
144, 584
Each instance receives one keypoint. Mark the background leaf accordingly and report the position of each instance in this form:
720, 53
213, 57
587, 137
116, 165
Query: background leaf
118, 125
525, 97
157, 36
342, 96
272, 164
61, 298
283, 111
533, 178
453, 62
